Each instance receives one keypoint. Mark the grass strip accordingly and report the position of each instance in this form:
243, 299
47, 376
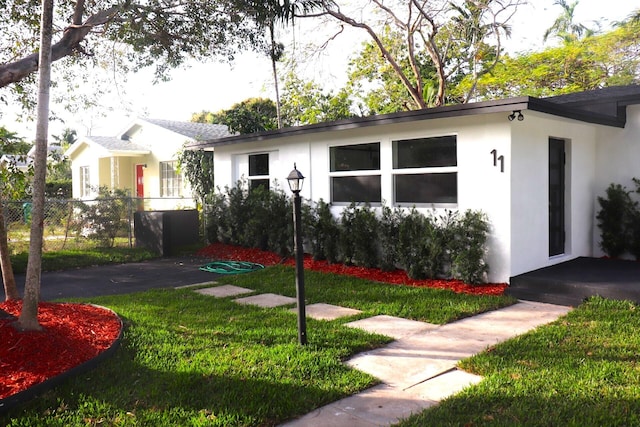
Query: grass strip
581, 370
424, 304
77, 258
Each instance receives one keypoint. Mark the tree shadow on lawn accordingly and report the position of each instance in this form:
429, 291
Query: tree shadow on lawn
121, 388
216, 373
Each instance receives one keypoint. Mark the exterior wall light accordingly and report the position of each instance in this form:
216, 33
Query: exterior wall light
516, 113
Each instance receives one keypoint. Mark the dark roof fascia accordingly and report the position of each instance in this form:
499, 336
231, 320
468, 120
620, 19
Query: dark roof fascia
543, 106
458, 110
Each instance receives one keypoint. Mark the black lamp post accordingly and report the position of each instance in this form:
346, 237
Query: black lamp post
295, 180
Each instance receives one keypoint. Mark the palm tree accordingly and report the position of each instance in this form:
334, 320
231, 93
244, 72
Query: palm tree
267, 14
564, 26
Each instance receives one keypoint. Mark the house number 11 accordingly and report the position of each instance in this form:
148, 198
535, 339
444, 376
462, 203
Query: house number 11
497, 159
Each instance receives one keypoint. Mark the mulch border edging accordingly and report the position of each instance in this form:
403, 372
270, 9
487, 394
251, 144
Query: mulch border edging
32, 392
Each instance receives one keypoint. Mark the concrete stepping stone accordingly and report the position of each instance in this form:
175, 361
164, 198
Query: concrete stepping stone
405, 363
381, 405
224, 291
445, 385
266, 300
395, 327
499, 325
322, 311
195, 285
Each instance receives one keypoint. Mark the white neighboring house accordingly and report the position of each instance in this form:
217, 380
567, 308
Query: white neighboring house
142, 159
24, 162
19, 161
534, 166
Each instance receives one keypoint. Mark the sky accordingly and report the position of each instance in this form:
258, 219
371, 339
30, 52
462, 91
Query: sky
214, 86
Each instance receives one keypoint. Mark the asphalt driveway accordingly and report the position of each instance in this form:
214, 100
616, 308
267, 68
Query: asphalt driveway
121, 278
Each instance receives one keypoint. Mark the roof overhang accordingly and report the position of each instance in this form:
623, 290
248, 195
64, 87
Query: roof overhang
448, 111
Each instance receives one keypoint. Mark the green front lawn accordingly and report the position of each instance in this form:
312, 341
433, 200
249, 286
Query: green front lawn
192, 360
78, 258
427, 305
582, 370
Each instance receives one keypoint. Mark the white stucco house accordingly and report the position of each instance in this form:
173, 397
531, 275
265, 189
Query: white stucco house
534, 166
142, 158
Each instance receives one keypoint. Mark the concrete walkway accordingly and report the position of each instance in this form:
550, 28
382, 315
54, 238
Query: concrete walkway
418, 369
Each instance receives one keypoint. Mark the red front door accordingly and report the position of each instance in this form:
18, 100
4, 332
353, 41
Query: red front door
140, 186
139, 180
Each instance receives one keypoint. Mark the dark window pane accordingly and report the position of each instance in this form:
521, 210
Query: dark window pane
427, 188
425, 152
355, 157
255, 183
356, 189
258, 164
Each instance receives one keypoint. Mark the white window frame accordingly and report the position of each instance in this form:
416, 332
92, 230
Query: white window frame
258, 177
85, 181
424, 171
170, 179
355, 173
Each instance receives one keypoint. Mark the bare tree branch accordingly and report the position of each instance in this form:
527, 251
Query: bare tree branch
73, 35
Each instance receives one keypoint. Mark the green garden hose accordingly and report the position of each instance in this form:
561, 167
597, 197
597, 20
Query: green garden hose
231, 267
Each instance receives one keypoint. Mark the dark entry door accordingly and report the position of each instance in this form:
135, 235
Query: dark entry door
556, 196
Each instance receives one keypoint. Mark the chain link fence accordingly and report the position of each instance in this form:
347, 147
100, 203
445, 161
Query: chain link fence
82, 224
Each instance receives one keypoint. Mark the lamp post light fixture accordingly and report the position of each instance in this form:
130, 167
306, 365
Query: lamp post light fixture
295, 180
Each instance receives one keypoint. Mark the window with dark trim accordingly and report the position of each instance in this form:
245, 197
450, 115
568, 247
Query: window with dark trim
425, 170
355, 157
362, 186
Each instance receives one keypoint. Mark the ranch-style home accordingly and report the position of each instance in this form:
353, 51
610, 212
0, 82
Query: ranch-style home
142, 158
534, 166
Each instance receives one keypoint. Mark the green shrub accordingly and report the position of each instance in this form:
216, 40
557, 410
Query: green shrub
256, 226
345, 242
108, 216
59, 189
363, 233
412, 251
388, 230
259, 218
216, 218
322, 231
238, 214
428, 246
439, 233
280, 223
617, 211
634, 226
470, 234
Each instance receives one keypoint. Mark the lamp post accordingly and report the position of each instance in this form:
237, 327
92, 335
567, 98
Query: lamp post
295, 180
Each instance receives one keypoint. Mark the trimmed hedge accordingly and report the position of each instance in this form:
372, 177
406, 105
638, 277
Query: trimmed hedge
445, 244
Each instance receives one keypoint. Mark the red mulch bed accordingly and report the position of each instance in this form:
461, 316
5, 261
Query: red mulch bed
72, 334
219, 251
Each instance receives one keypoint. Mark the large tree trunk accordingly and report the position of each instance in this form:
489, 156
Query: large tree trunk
8, 279
28, 319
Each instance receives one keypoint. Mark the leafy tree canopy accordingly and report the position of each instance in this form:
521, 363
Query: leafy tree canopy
305, 103
608, 59
248, 116
159, 33
454, 36
11, 143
